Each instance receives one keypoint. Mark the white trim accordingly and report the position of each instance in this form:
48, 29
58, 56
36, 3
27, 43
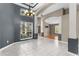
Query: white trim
72, 53
26, 38
7, 46
22, 5
63, 42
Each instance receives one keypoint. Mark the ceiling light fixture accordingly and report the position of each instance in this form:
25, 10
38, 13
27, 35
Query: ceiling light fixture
29, 12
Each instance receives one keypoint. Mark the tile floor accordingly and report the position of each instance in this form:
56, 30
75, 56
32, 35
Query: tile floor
34, 47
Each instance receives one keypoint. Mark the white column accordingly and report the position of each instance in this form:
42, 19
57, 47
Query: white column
36, 25
72, 20
42, 26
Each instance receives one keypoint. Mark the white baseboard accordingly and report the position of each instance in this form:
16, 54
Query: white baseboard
72, 54
63, 42
7, 46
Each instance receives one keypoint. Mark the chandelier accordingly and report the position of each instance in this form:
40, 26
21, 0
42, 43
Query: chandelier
29, 12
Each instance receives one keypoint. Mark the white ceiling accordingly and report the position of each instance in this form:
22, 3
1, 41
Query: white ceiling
53, 20
39, 6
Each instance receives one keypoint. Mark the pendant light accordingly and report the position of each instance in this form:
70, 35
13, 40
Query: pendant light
29, 12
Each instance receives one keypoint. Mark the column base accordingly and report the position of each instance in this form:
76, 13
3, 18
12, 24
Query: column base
73, 45
59, 37
42, 34
35, 36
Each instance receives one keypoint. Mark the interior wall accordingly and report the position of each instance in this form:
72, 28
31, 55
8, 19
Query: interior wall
10, 23
65, 27
78, 24
46, 29
78, 29
17, 19
6, 24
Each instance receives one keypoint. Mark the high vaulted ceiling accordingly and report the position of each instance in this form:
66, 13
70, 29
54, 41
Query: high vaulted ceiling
34, 6
42, 7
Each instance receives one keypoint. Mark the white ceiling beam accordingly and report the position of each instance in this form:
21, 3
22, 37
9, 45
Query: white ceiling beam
54, 8
22, 5
43, 7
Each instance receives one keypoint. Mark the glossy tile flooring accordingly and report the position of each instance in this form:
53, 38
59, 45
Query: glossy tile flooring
37, 47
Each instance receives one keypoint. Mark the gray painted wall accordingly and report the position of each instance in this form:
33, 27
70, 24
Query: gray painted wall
78, 29
10, 23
